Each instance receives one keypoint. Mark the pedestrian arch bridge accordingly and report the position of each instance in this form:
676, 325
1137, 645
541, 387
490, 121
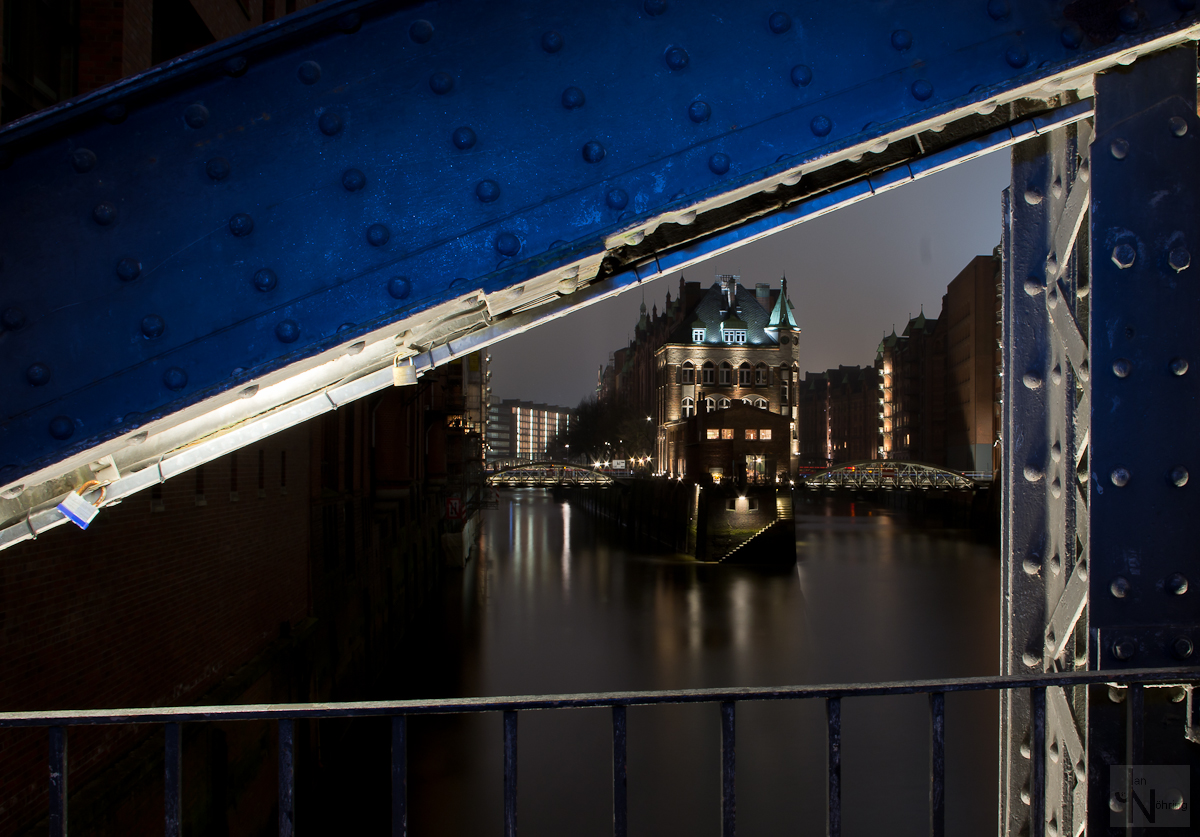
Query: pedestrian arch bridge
548, 473
892, 475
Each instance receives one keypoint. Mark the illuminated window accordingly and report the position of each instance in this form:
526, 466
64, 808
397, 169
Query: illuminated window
745, 375
723, 403
765, 434
712, 433
749, 402
697, 335
751, 434
709, 404
688, 373
689, 408
726, 432
707, 373
726, 373
762, 376
734, 335
761, 404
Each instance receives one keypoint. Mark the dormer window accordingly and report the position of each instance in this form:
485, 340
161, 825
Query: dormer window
734, 335
697, 335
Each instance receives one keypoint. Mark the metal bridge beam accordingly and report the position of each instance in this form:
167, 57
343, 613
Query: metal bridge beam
245, 237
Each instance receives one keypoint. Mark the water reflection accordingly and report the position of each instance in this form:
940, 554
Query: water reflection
552, 606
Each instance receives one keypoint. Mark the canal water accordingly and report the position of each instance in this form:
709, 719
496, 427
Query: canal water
553, 605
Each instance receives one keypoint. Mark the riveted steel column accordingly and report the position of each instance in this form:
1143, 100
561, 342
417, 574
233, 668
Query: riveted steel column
1145, 228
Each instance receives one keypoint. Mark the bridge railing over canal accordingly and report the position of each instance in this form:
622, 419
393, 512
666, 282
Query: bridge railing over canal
1044, 689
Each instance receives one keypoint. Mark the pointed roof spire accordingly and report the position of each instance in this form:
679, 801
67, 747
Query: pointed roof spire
782, 316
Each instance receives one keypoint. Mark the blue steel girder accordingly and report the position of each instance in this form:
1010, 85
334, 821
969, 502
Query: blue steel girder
253, 234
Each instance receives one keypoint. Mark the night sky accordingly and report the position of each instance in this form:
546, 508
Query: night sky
851, 276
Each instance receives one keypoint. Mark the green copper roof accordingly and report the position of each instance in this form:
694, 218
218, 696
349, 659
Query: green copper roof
783, 309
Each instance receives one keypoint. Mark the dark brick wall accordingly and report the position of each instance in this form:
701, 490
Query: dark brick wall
148, 606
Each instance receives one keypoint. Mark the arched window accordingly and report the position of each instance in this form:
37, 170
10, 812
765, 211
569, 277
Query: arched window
707, 373
749, 402
688, 373
723, 403
762, 375
689, 408
726, 373
761, 404
745, 375
709, 404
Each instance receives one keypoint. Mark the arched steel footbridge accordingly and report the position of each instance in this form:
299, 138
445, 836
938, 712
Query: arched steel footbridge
892, 474
547, 474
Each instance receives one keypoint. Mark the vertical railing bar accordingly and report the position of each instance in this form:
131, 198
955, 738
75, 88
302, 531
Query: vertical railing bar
1037, 763
937, 764
833, 717
287, 778
399, 776
173, 781
620, 788
728, 769
1135, 705
58, 782
510, 773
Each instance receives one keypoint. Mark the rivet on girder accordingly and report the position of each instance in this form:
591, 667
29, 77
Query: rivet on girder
552, 41
353, 180
921, 89
249, 392
573, 98
487, 190
901, 40
104, 214
1176, 584
676, 57
463, 138
62, 428
129, 269
38, 374
1119, 477
329, 123
1033, 196
1178, 366
378, 235
83, 160
1056, 376
593, 152
153, 326
288, 331
1185, 5
779, 22
421, 31
801, 75
1032, 564
241, 225
1123, 256
1032, 381
441, 83
1034, 286
508, 244
1182, 647
655, 7
175, 379
616, 198
236, 66
1179, 259
1016, 56
1178, 125
1122, 367
350, 22
12, 319
217, 168
998, 9
115, 114
718, 163
1178, 476
309, 72
1124, 648
1119, 148
265, 280
1056, 563
821, 125
1033, 473
195, 116
1071, 36
699, 111
399, 287
1129, 17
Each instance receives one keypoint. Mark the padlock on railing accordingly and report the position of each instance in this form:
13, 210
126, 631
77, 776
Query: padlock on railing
78, 510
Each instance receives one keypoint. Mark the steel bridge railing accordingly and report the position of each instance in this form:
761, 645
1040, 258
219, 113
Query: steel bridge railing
285, 716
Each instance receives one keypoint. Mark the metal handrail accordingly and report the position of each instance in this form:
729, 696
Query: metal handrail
286, 714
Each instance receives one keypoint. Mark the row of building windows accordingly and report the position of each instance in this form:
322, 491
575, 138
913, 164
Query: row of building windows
727, 433
759, 376
728, 335
710, 404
